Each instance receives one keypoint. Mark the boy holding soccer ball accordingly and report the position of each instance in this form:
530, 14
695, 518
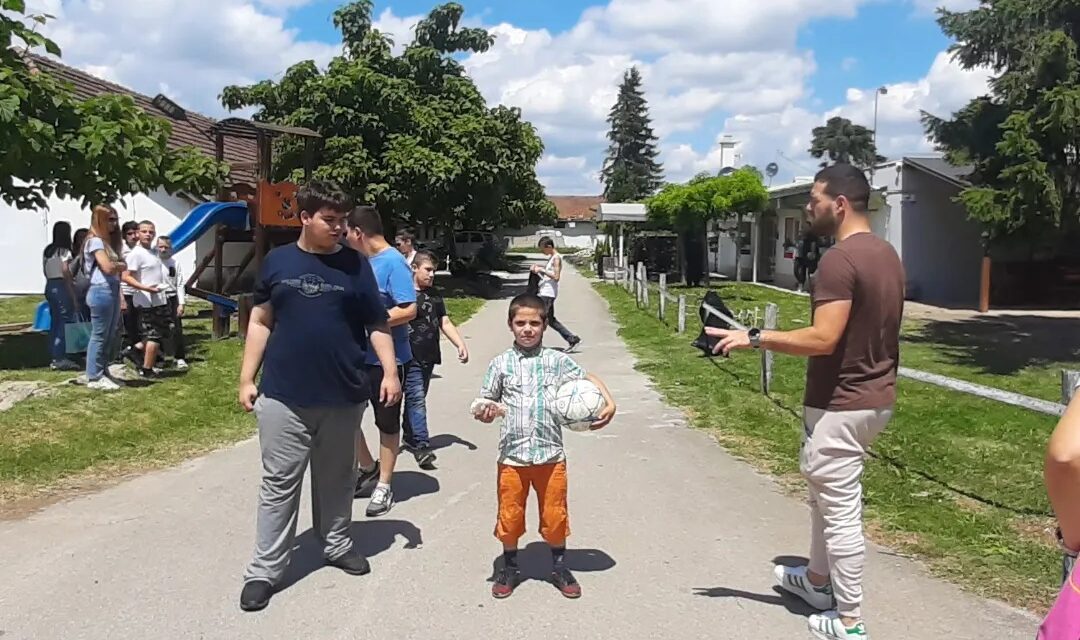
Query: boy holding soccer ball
520, 385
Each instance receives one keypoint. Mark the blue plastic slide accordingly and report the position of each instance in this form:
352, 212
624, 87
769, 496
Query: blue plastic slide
203, 218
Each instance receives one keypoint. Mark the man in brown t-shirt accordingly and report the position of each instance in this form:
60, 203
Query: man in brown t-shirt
853, 347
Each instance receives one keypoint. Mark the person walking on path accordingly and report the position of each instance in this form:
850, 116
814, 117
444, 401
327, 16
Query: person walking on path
394, 278
853, 349
101, 258
550, 274
317, 315
60, 294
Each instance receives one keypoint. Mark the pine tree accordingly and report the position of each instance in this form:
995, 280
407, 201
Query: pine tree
631, 171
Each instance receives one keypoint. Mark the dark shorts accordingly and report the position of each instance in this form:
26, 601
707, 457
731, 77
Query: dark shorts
155, 323
387, 417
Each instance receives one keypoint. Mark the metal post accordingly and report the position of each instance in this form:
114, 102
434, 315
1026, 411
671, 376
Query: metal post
772, 316
755, 244
644, 285
663, 295
682, 313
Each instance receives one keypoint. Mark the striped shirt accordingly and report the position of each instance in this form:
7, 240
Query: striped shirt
526, 382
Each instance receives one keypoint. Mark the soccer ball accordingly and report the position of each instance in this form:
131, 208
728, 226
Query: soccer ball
577, 404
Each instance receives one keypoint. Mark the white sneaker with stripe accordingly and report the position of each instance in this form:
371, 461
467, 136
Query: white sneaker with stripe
794, 581
827, 626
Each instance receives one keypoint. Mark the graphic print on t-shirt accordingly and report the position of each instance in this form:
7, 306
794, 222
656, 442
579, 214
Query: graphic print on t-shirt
311, 286
424, 329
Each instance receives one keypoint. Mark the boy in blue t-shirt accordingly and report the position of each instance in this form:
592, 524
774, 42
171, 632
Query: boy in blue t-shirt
318, 316
394, 279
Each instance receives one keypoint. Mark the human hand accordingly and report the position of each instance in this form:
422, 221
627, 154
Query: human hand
486, 410
604, 418
390, 389
729, 339
247, 395
179, 310
463, 354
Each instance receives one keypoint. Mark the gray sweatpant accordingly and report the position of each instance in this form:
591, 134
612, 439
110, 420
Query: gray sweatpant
290, 437
832, 458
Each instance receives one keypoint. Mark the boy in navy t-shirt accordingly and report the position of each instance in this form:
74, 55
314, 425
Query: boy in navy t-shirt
318, 316
395, 282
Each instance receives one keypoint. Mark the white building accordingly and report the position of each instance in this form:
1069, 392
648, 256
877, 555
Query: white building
575, 225
912, 207
28, 232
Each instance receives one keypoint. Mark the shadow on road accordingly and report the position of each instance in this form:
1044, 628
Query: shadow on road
536, 563
370, 537
413, 484
778, 597
446, 440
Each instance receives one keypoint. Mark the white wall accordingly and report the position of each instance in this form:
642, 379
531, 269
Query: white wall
27, 233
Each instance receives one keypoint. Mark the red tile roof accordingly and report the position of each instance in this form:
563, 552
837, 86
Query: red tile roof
576, 208
191, 129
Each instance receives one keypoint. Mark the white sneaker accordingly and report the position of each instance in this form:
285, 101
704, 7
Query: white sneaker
103, 384
181, 364
382, 500
794, 581
827, 626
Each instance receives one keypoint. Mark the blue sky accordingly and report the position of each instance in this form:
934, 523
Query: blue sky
765, 72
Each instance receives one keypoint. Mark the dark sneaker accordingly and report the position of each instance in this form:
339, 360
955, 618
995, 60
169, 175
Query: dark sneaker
425, 457
352, 563
382, 501
506, 580
256, 595
149, 374
366, 481
566, 584
573, 343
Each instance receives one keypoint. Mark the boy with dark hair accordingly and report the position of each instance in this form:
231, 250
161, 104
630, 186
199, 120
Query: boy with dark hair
520, 385
317, 316
174, 293
394, 279
129, 231
548, 289
146, 277
431, 318
406, 244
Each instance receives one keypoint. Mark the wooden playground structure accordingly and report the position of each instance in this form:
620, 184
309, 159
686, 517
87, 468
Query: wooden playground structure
273, 219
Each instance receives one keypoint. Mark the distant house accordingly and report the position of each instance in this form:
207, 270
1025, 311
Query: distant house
912, 207
575, 225
27, 232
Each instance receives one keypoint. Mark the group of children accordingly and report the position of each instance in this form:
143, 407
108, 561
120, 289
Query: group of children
152, 305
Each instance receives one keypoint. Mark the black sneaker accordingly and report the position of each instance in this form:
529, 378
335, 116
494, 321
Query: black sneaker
149, 374
506, 580
573, 343
366, 481
425, 457
566, 584
352, 563
256, 595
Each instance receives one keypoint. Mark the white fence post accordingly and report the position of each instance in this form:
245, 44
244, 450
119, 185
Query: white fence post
663, 295
772, 316
682, 313
645, 286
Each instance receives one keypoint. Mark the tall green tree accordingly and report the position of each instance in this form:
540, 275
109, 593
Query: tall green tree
409, 133
1021, 138
95, 150
631, 170
841, 141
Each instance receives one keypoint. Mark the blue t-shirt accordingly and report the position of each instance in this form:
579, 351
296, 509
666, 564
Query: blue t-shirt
90, 264
394, 277
322, 304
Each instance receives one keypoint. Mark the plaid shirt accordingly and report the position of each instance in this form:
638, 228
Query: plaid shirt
526, 383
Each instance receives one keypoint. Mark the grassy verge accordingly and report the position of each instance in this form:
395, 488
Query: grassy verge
75, 438
18, 309
955, 480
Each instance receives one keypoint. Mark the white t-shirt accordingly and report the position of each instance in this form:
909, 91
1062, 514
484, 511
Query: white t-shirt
54, 264
549, 287
174, 279
125, 251
148, 270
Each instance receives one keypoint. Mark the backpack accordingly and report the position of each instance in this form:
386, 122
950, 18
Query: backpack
80, 279
704, 342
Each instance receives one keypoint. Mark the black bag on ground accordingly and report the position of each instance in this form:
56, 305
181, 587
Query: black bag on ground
533, 287
704, 342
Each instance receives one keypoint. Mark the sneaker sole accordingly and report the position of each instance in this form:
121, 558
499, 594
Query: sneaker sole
351, 572
501, 596
376, 514
802, 598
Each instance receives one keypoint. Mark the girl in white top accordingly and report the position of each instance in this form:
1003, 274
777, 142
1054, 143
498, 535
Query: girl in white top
60, 294
550, 274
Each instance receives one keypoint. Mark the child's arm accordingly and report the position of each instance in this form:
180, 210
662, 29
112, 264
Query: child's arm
492, 390
451, 332
608, 412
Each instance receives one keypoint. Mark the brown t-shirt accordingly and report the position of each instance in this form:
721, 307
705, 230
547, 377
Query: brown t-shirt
861, 373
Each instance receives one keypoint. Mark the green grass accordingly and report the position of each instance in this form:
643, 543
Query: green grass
955, 479
74, 436
18, 309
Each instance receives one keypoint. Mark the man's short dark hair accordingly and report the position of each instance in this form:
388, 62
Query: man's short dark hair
848, 181
424, 256
528, 301
166, 239
366, 218
406, 236
148, 222
130, 225
546, 242
322, 194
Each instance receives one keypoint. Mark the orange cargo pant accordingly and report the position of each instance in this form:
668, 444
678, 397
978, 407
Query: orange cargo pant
549, 482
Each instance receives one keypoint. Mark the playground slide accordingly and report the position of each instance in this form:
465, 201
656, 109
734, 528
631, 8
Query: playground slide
203, 218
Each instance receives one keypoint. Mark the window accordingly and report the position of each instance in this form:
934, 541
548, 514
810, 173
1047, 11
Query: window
791, 231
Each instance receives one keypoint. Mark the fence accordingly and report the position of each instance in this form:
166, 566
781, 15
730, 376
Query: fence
636, 281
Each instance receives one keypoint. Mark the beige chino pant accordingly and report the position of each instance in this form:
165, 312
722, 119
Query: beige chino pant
832, 458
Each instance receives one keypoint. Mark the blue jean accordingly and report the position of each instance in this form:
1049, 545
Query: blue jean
61, 312
417, 382
104, 302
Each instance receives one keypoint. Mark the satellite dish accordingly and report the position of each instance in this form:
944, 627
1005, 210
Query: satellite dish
772, 169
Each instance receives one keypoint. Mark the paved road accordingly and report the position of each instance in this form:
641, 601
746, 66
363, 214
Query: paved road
672, 538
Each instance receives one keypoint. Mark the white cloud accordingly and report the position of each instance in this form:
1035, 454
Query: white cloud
931, 6
849, 64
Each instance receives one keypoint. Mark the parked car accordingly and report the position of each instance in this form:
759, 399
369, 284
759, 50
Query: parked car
467, 244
